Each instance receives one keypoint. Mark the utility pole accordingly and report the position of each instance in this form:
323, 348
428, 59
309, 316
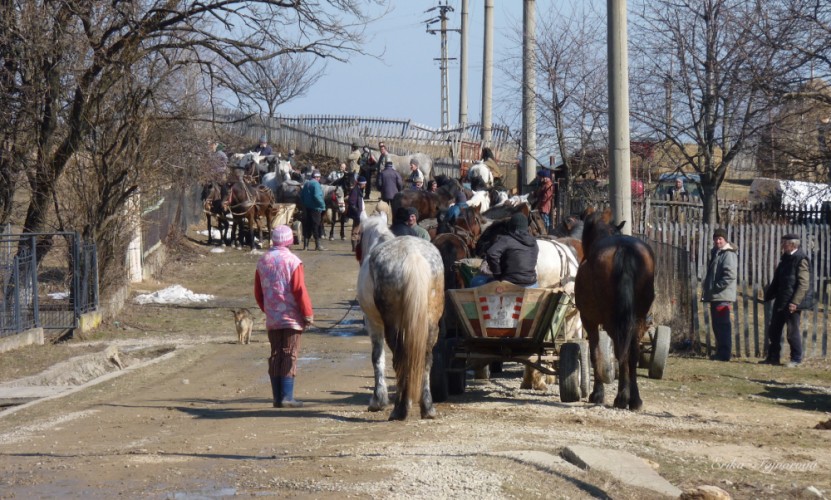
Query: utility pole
443, 60
529, 93
487, 75
463, 67
620, 175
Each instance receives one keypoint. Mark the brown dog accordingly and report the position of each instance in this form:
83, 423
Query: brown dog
244, 323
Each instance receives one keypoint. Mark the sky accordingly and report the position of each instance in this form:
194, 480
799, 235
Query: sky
406, 82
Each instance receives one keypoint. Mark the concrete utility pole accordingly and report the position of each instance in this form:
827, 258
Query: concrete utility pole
487, 75
620, 178
463, 67
443, 60
529, 84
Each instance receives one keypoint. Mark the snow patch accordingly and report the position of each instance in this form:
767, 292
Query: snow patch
176, 294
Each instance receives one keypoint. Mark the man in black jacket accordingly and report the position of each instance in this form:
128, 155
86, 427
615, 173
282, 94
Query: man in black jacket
791, 292
513, 256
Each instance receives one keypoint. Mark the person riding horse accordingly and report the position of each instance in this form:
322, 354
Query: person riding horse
513, 256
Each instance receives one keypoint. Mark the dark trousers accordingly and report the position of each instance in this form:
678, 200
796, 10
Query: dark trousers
312, 225
285, 344
722, 329
777, 323
367, 173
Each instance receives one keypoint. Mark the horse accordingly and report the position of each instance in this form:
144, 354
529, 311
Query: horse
333, 198
249, 203
452, 248
480, 176
427, 203
401, 292
615, 287
213, 194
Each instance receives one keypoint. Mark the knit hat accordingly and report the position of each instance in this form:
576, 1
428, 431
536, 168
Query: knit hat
544, 173
282, 236
362, 180
402, 214
518, 222
720, 233
316, 173
263, 139
412, 211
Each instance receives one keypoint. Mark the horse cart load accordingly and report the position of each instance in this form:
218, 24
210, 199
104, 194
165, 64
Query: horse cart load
500, 322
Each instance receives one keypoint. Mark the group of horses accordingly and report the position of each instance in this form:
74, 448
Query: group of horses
402, 283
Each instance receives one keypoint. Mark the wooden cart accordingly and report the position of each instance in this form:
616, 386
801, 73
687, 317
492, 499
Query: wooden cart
501, 321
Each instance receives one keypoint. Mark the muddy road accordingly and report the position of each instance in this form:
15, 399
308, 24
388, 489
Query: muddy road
188, 413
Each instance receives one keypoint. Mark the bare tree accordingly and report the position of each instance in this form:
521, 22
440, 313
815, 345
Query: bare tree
698, 77
63, 62
266, 85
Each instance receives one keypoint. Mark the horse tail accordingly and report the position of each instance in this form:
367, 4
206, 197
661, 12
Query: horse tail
412, 329
624, 273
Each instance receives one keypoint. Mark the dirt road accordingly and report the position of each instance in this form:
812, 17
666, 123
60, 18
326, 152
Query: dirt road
190, 414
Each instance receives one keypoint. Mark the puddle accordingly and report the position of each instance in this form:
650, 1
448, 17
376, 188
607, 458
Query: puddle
344, 332
205, 493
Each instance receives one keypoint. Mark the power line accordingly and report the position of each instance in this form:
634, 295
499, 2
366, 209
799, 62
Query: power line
444, 59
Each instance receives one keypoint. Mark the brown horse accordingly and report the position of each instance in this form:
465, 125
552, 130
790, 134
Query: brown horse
249, 203
427, 203
615, 288
452, 247
213, 194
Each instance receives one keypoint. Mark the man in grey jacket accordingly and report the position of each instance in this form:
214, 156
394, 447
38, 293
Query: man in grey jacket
720, 291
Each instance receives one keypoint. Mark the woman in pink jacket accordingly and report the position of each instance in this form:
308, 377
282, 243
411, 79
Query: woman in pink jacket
280, 290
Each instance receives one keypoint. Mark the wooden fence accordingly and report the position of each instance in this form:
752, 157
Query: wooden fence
758, 250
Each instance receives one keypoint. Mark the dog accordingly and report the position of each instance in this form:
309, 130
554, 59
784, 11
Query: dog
244, 323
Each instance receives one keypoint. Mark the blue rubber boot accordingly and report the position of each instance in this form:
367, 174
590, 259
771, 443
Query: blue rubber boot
288, 400
277, 391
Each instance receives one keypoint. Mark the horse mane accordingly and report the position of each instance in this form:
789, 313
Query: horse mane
596, 226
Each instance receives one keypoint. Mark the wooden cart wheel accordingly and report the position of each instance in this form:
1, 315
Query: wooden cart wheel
608, 370
585, 368
647, 344
568, 371
660, 351
438, 374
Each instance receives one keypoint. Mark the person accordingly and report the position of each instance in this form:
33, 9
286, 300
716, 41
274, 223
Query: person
311, 197
389, 182
217, 162
415, 173
545, 196
354, 160
367, 166
513, 256
455, 209
292, 160
400, 223
355, 202
412, 221
490, 161
719, 289
263, 148
432, 186
790, 291
679, 192
280, 291
337, 174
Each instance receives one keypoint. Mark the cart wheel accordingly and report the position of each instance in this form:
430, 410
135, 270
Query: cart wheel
438, 374
608, 372
648, 342
297, 229
585, 368
660, 351
568, 371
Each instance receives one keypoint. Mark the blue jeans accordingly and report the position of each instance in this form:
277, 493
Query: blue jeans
482, 279
546, 219
722, 328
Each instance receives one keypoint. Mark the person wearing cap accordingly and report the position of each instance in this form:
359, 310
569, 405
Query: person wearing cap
412, 221
262, 147
401, 222
513, 256
544, 196
389, 182
416, 177
719, 289
337, 174
354, 159
355, 202
280, 291
790, 290
311, 198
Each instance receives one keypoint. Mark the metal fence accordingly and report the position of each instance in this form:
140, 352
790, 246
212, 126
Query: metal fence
53, 295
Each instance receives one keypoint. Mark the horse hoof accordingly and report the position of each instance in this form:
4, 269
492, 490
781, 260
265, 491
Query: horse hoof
429, 414
398, 415
635, 405
621, 403
331, 238
596, 398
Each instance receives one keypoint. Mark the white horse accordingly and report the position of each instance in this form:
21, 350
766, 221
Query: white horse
401, 291
480, 176
402, 164
481, 199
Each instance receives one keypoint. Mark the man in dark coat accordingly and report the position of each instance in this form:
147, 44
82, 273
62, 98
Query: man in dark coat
263, 148
389, 182
513, 256
719, 289
400, 223
356, 207
791, 292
